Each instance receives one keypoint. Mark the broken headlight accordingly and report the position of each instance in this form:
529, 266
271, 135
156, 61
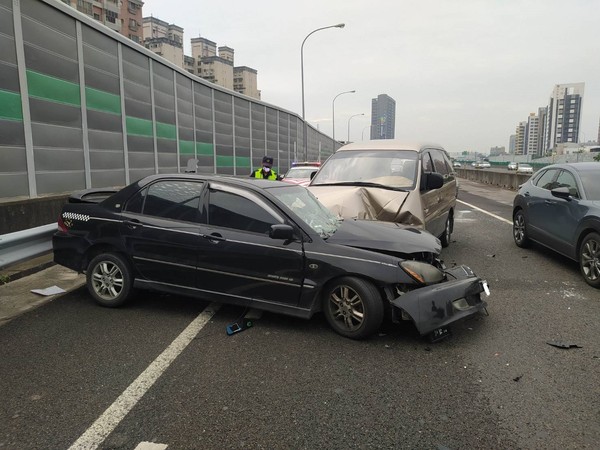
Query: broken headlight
422, 272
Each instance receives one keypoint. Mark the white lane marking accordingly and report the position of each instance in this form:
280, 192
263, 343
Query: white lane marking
115, 413
486, 212
150, 446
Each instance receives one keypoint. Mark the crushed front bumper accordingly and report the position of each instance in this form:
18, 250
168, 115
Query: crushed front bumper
439, 305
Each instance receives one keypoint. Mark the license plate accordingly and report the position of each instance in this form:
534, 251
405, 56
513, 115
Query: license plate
486, 289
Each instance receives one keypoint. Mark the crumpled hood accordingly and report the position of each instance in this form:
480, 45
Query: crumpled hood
386, 236
359, 202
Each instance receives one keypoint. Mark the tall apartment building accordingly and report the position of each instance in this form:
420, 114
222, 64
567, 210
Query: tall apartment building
123, 16
564, 115
164, 39
532, 134
383, 117
512, 140
217, 66
520, 138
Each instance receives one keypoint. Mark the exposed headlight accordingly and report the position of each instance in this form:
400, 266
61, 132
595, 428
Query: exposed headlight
422, 272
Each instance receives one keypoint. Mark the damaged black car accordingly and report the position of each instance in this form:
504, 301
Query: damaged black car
261, 244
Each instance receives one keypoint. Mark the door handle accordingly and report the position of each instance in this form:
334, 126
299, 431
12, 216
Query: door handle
549, 202
214, 238
133, 223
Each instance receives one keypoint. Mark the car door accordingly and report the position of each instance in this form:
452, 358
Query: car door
238, 261
436, 202
565, 214
537, 197
161, 231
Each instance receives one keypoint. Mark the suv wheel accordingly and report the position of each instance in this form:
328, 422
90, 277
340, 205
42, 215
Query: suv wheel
589, 259
520, 230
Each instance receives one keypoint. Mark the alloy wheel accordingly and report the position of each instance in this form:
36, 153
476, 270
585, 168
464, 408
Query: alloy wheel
347, 307
107, 280
590, 260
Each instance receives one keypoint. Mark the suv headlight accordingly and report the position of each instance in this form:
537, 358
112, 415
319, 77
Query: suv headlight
422, 272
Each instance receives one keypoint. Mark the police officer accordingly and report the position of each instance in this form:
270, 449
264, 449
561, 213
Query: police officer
266, 171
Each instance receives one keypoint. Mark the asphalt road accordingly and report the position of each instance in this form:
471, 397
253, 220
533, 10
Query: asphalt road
288, 383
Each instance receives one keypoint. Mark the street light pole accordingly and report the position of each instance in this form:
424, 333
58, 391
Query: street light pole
333, 115
339, 25
361, 114
363, 132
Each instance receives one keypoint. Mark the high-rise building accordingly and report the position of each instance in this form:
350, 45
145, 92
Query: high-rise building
520, 138
532, 134
564, 115
123, 16
244, 81
512, 140
383, 117
164, 39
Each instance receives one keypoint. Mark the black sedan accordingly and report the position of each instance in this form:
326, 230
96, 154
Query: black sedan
559, 207
261, 244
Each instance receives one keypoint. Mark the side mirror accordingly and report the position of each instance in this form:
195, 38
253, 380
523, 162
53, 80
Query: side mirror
561, 192
432, 180
282, 231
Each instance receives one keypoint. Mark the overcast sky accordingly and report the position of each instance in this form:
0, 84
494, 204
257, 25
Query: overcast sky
463, 73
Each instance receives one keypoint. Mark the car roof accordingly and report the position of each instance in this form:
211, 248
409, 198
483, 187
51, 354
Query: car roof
578, 166
388, 145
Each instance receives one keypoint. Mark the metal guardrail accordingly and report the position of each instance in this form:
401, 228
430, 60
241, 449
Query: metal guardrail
26, 244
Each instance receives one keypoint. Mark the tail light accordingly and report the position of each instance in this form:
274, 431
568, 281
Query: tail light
61, 225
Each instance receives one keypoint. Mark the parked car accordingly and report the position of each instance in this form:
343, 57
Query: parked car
559, 207
300, 173
524, 168
261, 244
393, 181
512, 165
481, 165
456, 165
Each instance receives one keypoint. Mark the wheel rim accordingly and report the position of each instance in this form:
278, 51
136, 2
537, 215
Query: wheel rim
590, 260
519, 228
107, 280
347, 307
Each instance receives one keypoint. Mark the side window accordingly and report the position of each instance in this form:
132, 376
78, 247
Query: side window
176, 200
439, 163
566, 179
229, 210
545, 181
427, 163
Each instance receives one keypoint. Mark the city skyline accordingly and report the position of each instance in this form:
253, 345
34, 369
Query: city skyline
462, 74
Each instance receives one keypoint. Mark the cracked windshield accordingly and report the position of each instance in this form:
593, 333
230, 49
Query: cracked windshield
304, 204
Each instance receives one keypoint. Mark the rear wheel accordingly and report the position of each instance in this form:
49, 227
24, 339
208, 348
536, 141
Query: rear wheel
589, 259
520, 230
353, 307
109, 279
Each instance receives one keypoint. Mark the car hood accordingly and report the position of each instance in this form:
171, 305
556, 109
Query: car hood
359, 202
388, 237
299, 181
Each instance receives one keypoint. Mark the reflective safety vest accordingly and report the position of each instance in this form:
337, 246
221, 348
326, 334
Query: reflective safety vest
272, 175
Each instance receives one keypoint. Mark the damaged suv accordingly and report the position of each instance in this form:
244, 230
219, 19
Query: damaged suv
391, 180
261, 244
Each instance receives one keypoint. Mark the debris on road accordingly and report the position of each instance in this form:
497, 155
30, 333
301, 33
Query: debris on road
563, 344
52, 290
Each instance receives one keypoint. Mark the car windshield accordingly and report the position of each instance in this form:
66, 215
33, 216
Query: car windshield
391, 169
304, 204
300, 172
590, 184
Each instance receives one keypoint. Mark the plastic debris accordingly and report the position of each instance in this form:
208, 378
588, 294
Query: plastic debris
563, 344
52, 290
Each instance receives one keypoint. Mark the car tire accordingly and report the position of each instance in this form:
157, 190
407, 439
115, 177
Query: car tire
445, 237
353, 307
109, 279
589, 259
520, 230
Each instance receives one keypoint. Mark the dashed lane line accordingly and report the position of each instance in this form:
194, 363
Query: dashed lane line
115, 413
495, 216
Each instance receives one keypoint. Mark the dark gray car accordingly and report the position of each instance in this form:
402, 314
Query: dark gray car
559, 208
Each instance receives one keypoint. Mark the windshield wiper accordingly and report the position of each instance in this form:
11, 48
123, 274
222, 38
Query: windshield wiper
363, 183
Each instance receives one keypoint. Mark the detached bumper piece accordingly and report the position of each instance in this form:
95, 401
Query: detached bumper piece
435, 307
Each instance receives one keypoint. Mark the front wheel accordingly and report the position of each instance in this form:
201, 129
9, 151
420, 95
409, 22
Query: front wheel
445, 238
353, 307
109, 279
589, 259
520, 230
